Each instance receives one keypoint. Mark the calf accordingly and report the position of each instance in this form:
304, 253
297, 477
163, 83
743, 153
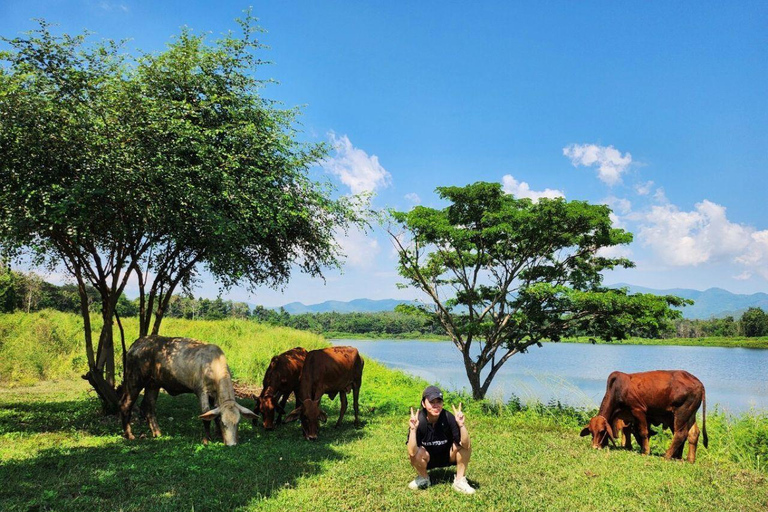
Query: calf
280, 380
181, 365
328, 371
669, 398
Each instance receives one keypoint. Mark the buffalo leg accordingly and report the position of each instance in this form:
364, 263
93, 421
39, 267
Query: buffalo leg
149, 408
130, 394
343, 398
205, 406
355, 403
693, 441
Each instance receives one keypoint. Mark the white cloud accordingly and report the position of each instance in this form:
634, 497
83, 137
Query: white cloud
644, 189
413, 198
360, 248
617, 204
756, 255
354, 167
522, 189
691, 238
744, 276
616, 251
610, 162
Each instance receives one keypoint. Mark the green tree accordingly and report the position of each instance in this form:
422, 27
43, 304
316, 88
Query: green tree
504, 274
754, 322
155, 166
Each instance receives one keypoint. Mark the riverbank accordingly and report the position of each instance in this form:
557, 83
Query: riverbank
734, 342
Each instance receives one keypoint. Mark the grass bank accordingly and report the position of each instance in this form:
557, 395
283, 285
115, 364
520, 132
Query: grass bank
58, 453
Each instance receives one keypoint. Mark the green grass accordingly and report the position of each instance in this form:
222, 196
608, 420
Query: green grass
58, 453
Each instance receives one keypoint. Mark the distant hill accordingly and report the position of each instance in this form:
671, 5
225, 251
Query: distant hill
353, 306
714, 302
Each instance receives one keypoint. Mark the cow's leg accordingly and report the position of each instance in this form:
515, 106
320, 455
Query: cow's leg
149, 408
282, 402
343, 398
642, 430
681, 428
217, 421
205, 406
693, 441
626, 431
355, 403
130, 394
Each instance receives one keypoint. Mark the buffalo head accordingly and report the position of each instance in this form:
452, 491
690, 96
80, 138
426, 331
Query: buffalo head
229, 413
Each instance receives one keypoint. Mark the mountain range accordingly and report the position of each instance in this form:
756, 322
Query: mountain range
714, 302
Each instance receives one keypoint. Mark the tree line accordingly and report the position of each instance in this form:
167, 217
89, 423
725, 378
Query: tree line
27, 291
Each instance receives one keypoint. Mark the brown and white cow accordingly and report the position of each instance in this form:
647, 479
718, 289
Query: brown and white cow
669, 398
181, 365
330, 371
280, 380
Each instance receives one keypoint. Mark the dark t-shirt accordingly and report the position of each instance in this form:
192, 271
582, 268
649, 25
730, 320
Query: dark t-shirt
438, 438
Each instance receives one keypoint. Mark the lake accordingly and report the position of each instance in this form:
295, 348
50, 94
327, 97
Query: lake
734, 378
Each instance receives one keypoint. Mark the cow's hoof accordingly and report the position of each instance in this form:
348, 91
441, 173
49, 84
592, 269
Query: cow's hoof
129, 437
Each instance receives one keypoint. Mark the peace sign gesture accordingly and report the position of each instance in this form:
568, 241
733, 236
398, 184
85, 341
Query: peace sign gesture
414, 421
459, 415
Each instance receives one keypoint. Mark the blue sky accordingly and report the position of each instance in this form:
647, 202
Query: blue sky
658, 109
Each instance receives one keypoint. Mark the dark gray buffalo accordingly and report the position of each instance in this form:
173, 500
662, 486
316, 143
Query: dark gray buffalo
181, 365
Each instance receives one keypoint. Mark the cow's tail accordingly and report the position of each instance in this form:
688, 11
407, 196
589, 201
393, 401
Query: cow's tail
704, 419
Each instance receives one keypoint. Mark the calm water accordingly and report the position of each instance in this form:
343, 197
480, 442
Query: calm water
735, 378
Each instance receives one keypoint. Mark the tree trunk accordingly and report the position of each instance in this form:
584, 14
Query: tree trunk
102, 376
473, 374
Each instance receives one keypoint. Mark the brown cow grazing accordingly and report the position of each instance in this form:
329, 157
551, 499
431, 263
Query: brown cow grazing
328, 371
669, 398
280, 380
181, 365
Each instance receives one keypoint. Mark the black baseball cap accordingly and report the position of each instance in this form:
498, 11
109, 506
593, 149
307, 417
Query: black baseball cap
432, 392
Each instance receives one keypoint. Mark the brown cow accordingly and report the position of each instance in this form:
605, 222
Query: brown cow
181, 365
669, 398
280, 380
328, 371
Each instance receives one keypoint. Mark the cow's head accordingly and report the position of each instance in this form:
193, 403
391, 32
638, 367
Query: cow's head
229, 413
267, 405
601, 431
311, 416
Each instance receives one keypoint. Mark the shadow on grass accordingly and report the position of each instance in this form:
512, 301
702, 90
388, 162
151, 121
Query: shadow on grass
173, 472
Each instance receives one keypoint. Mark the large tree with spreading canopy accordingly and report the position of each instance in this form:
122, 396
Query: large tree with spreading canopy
502, 274
155, 167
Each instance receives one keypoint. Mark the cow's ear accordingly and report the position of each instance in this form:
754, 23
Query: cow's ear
322, 417
610, 431
210, 415
293, 416
246, 412
585, 432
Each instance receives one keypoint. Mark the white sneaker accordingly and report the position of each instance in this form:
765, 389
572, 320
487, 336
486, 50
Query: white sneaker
461, 485
419, 483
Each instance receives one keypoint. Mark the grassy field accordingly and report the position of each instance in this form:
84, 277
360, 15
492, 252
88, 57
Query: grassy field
58, 453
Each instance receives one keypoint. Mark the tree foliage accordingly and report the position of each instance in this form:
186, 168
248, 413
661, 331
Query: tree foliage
505, 273
754, 322
155, 167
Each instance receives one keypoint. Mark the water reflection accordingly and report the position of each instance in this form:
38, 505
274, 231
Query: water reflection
575, 374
